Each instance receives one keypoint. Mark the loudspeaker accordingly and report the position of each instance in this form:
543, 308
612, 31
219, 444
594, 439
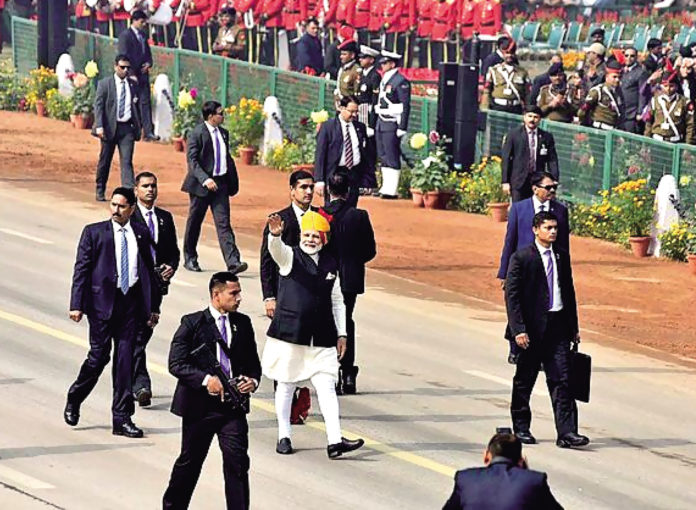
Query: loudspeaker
466, 117
447, 98
53, 31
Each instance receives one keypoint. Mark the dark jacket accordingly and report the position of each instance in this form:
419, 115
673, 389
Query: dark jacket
369, 94
94, 283
308, 54
516, 157
200, 155
527, 294
106, 108
490, 60
332, 59
190, 397
519, 230
166, 247
329, 149
398, 90
138, 54
537, 83
631, 83
352, 243
502, 485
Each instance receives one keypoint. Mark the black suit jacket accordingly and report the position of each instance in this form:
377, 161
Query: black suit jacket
166, 247
308, 54
106, 108
516, 156
369, 94
352, 243
501, 485
527, 294
200, 155
191, 398
332, 59
138, 54
95, 277
330, 148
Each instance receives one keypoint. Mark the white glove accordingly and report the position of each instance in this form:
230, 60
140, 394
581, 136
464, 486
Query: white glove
400, 133
370, 132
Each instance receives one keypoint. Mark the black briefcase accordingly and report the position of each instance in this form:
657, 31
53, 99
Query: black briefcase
580, 374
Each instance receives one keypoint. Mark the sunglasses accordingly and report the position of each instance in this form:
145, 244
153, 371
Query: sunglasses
125, 68
221, 114
630, 55
550, 187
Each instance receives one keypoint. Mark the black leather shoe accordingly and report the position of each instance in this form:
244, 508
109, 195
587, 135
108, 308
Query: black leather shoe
239, 268
346, 445
101, 197
144, 397
71, 414
526, 437
388, 197
192, 265
572, 440
284, 446
350, 376
128, 429
152, 138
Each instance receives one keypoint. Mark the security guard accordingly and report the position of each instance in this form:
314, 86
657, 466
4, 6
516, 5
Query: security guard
348, 80
670, 115
367, 100
507, 85
558, 100
604, 106
393, 108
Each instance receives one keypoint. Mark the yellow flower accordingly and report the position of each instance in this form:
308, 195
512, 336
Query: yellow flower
185, 100
91, 69
684, 181
319, 117
418, 141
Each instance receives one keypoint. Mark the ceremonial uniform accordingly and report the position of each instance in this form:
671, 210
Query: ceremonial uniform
399, 17
272, 18
425, 26
168, 34
467, 18
232, 39
292, 17
670, 119
490, 17
563, 112
368, 96
248, 10
348, 81
393, 108
197, 31
506, 88
84, 16
361, 20
376, 23
444, 17
604, 107
325, 13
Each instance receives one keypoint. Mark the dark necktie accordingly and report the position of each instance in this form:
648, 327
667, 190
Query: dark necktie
532, 152
542, 208
217, 152
348, 147
123, 283
122, 100
151, 226
224, 360
549, 276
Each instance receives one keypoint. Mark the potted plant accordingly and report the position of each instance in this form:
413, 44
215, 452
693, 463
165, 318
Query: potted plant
83, 101
491, 179
39, 82
58, 105
245, 124
431, 176
417, 143
632, 201
306, 141
186, 116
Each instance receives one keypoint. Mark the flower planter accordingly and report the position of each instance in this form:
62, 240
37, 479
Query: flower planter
499, 211
417, 197
83, 121
691, 259
179, 144
40, 108
437, 199
307, 167
73, 116
247, 155
639, 245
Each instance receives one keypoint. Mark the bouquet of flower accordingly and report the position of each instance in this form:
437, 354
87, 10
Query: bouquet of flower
39, 82
186, 112
245, 122
83, 94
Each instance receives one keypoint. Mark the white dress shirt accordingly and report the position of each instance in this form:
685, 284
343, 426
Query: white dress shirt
354, 142
298, 212
557, 300
538, 203
126, 117
145, 211
215, 133
132, 252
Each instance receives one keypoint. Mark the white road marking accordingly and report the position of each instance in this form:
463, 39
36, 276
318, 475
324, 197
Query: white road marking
495, 378
22, 235
19, 478
182, 283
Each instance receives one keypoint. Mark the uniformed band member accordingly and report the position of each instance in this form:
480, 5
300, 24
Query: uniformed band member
558, 100
442, 48
604, 106
425, 25
399, 21
307, 335
393, 108
507, 84
197, 31
362, 20
348, 79
272, 18
368, 97
670, 115
84, 16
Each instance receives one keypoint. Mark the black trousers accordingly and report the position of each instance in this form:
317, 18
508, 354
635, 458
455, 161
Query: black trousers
554, 352
369, 179
219, 204
145, 104
196, 435
401, 43
269, 47
196, 39
121, 328
112, 28
348, 360
125, 141
141, 377
388, 144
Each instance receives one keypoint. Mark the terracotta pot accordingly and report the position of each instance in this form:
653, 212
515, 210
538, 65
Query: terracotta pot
307, 167
73, 116
639, 245
40, 108
499, 211
417, 197
179, 143
437, 199
247, 155
691, 259
83, 121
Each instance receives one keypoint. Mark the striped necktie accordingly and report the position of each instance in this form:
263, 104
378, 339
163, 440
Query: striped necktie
123, 283
348, 147
122, 100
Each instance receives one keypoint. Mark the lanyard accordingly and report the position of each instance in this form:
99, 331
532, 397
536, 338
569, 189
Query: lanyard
668, 113
508, 81
611, 98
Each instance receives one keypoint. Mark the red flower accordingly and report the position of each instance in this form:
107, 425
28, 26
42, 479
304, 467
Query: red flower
633, 169
304, 121
581, 137
308, 70
434, 137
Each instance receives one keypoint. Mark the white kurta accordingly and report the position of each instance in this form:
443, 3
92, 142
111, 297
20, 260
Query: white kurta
287, 362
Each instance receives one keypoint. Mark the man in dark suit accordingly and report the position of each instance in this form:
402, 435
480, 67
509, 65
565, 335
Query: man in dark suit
116, 124
632, 80
353, 245
113, 284
543, 321
506, 483
165, 252
341, 145
527, 149
198, 397
133, 43
308, 50
210, 182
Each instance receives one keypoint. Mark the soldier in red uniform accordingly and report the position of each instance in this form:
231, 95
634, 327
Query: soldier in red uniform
196, 30
292, 18
361, 21
84, 19
105, 20
399, 22
425, 26
467, 18
444, 21
490, 17
121, 20
249, 12
376, 23
271, 16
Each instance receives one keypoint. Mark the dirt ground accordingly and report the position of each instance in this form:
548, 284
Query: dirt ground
623, 300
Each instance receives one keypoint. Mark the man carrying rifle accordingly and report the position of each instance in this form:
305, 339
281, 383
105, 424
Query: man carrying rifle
213, 355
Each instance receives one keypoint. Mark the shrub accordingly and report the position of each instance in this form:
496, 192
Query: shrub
12, 89
677, 241
59, 107
39, 82
480, 187
245, 122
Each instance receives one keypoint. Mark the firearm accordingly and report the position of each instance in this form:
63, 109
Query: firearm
207, 361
